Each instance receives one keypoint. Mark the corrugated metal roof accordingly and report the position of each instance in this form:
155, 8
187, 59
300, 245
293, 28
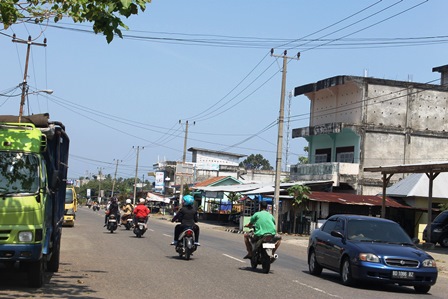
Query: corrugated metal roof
417, 184
353, 199
210, 181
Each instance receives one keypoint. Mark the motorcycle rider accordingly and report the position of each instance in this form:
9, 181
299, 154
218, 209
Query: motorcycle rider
112, 208
127, 211
141, 211
263, 223
187, 217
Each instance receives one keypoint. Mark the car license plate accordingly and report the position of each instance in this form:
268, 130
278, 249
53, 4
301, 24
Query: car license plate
402, 275
268, 245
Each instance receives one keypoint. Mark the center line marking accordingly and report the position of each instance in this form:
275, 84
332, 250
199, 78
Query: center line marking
234, 258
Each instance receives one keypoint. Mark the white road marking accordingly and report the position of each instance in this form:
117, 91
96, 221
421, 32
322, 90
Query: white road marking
316, 289
167, 235
234, 258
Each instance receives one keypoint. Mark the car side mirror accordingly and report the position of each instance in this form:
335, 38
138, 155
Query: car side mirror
337, 234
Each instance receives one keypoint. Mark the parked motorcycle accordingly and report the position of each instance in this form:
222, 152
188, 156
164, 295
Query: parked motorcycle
128, 221
262, 252
185, 244
112, 223
140, 227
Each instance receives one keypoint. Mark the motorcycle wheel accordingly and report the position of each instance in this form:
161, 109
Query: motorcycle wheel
187, 253
266, 264
254, 260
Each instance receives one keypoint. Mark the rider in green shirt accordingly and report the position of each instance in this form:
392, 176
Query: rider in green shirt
263, 223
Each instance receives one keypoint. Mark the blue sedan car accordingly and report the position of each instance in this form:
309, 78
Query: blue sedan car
370, 249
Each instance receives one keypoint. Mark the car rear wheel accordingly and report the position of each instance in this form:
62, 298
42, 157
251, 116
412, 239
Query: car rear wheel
422, 289
444, 241
313, 266
346, 272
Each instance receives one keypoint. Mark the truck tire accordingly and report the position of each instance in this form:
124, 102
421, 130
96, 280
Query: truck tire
53, 263
36, 273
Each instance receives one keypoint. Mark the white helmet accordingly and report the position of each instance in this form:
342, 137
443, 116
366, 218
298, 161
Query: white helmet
128, 200
142, 200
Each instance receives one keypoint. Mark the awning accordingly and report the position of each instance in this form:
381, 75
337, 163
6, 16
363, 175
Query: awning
156, 198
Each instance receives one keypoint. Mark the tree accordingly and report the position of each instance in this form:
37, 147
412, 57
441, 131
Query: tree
104, 14
304, 159
257, 162
300, 199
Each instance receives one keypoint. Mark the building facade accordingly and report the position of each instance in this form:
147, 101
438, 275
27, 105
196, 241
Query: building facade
358, 122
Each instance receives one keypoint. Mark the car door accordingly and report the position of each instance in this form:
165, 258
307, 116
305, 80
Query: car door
335, 244
323, 242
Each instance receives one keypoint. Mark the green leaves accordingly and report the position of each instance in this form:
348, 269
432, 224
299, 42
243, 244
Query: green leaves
104, 14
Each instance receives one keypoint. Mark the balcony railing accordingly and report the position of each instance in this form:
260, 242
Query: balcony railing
333, 171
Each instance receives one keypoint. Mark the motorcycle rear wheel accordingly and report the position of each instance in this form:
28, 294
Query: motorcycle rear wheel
266, 264
254, 260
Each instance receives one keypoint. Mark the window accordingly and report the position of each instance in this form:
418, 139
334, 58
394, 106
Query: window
322, 155
345, 154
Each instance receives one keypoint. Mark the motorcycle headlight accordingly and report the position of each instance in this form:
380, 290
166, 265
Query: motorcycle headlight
429, 263
369, 257
25, 236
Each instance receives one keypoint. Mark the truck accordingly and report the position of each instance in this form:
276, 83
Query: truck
71, 206
33, 176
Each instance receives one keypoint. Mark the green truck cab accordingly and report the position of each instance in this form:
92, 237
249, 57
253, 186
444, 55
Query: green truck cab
71, 206
33, 175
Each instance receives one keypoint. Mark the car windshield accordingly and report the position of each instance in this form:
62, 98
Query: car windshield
69, 196
18, 173
441, 218
376, 231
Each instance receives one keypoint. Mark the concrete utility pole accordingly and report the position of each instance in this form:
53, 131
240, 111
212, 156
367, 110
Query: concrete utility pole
278, 164
25, 75
136, 173
184, 158
115, 176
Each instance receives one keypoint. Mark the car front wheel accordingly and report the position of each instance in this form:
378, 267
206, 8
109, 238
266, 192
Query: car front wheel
346, 272
422, 289
313, 266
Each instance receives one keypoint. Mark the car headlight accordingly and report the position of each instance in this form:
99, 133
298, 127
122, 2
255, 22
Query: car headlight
25, 236
369, 257
429, 263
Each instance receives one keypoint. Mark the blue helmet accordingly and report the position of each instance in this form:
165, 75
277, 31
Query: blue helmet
188, 200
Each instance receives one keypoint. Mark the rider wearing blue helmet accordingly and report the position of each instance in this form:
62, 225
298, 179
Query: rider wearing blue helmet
187, 216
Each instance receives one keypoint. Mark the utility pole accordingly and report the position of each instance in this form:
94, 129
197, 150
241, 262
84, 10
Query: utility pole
115, 176
99, 184
25, 75
278, 164
184, 158
136, 173
287, 130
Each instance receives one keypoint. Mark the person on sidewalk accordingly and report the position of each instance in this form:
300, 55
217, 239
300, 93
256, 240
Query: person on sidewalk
187, 216
263, 223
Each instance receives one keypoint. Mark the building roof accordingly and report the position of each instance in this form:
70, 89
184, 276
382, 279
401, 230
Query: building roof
218, 180
354, 199
196, 149
416, 185
341, 80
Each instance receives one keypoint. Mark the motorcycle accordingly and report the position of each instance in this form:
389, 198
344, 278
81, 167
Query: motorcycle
112, 223
96, 208
262, 252
128, 221
185, 244
140, 228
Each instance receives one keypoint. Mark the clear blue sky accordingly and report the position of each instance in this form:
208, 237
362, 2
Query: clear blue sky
208, 62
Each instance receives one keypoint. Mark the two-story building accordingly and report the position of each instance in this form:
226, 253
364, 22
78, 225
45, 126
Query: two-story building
358, 122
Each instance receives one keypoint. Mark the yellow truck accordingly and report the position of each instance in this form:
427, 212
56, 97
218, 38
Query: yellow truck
71, 205
33, 175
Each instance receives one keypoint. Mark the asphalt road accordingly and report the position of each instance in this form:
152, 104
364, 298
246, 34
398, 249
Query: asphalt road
98, 264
